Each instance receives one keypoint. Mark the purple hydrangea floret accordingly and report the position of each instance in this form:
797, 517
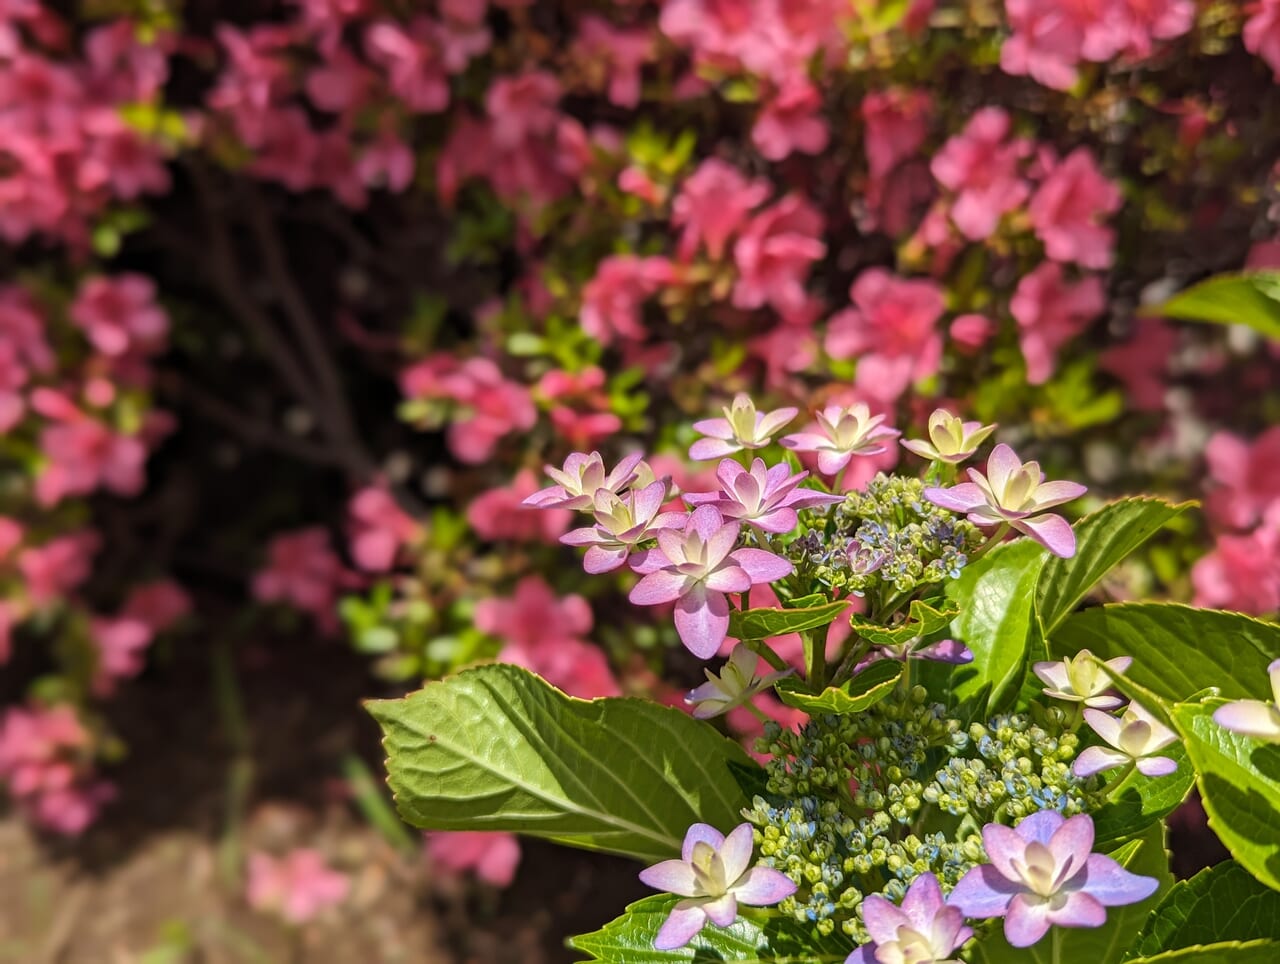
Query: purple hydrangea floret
924, 930
763, 497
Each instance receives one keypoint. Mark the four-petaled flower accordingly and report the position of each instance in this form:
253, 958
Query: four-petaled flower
741, 428
694, 569
1042, 873
1081, 679
766, 498
846, 432
1136, 736
622, 523
583, 476
736, 684
924, 930
1014, 494
713, 876
1255, 718
950, 439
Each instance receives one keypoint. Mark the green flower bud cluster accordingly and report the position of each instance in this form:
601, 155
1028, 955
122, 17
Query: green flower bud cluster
887, 536
862, 804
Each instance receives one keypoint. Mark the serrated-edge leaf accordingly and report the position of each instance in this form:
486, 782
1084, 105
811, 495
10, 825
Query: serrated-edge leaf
767, 623
1137, 801
498, 748
1224, 952
1220, 902
860, 693
1103, 539
1241, 801
922, 621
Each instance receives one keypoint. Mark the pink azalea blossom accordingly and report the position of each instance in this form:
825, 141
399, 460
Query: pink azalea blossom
488, 406
298, 886
713, 875
980, 166
613, 300
54, 569
767, 498
791, 122
303, 571
544, 633
620, 52
897, 122
1046, 44
695, 569
1242, 572
742, 427
774, 254
843, 433
379, 529
1043, 873
157, 605
120, 314
1015, 494
1050, 312
891, 330
924, 930
971, 331
415, 70
712, 206
42, 762
493, 857
1262, 33
1142, 363
522, 107
83, 454
1069, 208
1245, 475
503, 513
121, 646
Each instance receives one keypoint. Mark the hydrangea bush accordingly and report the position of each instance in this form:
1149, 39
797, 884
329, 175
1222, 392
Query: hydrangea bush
976, 766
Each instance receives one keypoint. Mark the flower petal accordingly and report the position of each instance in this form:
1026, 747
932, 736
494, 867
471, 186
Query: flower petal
883, 918
1002, 463
761, 566
686, 919
1071, 844
762, 886
600, 559
702, 619
773, 421
922, 902
700, 833
714, 427
706, 449
1040, 826
1157, 766
1055, 493
1098, 759
964, 497
1027, 920
737, 849
672, 877
1105, 725
1250, 718
831, 462
1004, 846
722, 911
659, 587
1078, 910
806, 442
983, 892
728, 578
1112, 885
1051, 531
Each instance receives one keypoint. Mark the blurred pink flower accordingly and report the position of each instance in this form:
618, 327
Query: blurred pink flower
54, 569
158, 605
620, 52
713, 204
1262, 32
415, 70
303, 571
1246, 477
613, 300
120, 314
1242, 573
980, 166
897, 122
774, 254
492, 857
499, 513
892, 330
83, 454
1142, 362
522, 107
791, 121
1050, 312
44, 756
1069, 208
379, 529
121, 643
488, 405
970, 332
1046, 42
543, 633
298, 886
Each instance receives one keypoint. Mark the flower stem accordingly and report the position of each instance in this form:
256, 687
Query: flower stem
996, 537
1116, 781
761, 648
1056, 946
815, 657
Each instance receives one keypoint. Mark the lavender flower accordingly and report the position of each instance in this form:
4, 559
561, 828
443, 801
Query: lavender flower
846, 432
622, 523
712, 875
695, 569
1015, 494
583, 476
766, 498
736, 684
1079, 679
943, 651
950, 439
1255, 718
924, 930
1042, 873
1136, 737
741, 428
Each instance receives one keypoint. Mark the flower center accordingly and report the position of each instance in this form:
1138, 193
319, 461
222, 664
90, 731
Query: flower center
1038, 869
908, 947
708, 869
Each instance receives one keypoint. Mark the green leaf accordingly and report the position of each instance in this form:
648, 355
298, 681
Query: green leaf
1101, 945
1138, 801
1222, 902
1177, 650
497, 748
766, 623
995, 595
865, 690
749, 940
1223, 952
922, 621
1231, 299
1239, 780
1103, 539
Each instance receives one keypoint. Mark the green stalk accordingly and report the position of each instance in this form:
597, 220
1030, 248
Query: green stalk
373, 805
